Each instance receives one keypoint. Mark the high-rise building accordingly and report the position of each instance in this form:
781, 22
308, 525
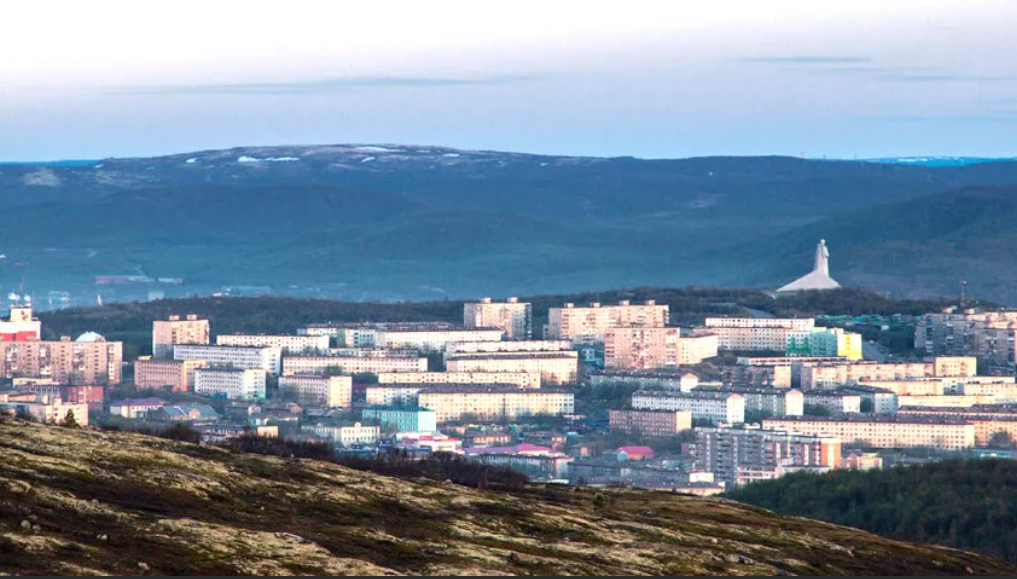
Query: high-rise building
177, 330
584, 325
513, 317
89, 360
650, 422
740, 455
21, 327
989, 336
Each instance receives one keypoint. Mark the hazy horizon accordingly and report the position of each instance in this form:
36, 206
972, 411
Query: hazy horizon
865, 79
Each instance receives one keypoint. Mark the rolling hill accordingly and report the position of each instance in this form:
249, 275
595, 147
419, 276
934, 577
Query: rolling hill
413, 222
83, 502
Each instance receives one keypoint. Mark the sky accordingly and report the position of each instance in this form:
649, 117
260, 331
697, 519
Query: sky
655, 79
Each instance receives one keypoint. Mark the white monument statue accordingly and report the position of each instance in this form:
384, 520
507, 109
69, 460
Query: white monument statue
818, 279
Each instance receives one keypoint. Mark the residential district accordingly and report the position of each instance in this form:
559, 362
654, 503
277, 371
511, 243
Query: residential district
610, 394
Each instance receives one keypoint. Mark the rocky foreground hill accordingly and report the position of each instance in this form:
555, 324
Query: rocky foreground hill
84, 502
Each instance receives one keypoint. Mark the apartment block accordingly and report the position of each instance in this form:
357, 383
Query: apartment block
20, 326
988, 336
287, 344
650, 422
513, 317
832, 374
231, 383
265, 358
883, 431
833, 402
757, 376
317, 390
352, 364
555, 368
764, 401
521, 379
917, 387
947, 401
517, 346
92, 396
491, 403
135, 408
88, 361
756, 334
830, 342
588, 324
393, 394
712, 406
641, 348
178, 375
403, 419
645, 380
177, 330
736, 456
988, 421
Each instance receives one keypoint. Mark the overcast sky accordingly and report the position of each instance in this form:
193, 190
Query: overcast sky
651, 79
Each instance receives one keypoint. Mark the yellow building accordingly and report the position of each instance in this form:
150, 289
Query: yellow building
883, 431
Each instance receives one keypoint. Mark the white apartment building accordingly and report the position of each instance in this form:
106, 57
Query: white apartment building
520, 379
266, 358
452, 403
898, 431
767, 401
834, 402
231, 383
555, 368
352, 364
757, 334
393, 394
514, 346
288, 344
704, 405
349, 434
513, 317
430, 339
585, 325
318, 390
653, 348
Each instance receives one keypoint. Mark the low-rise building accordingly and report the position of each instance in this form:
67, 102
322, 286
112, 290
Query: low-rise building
712, 406
402, 419
318, 390
521, 379
136, 408
536, 462
645, 348
184, 413
265, 358
947, 401
650, 422
177, 375
644, 380
883, 431
492, 403
231, 383
92, 396
45, 409
348, 434
287, 344
555, 368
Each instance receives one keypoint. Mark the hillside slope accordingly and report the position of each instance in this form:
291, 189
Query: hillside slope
414, 222
85, 502
923, 246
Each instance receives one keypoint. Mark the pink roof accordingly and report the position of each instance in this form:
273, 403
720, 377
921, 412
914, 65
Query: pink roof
636, 450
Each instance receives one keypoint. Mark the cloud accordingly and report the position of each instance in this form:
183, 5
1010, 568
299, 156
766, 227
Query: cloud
806, 60
323, 86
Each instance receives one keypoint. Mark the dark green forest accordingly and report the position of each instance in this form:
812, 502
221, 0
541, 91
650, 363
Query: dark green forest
966, 504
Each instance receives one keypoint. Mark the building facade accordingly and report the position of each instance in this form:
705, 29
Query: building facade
20, 326
831, 342
287, 344
757, 334
403, 419
520, 379
988, 336
177, 330
265, 358
318, 390
739, 455
352, 364
158, 374
880, 431
642, 348
588, 324
89, 360
555, 368
657, 423
711, 406
231, 383
513, 317
492, 403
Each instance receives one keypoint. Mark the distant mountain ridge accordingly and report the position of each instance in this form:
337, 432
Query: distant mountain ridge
390, 222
